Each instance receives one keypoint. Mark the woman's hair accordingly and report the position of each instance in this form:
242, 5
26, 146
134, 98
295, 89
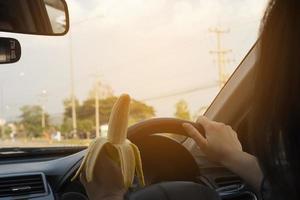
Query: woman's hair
275, 120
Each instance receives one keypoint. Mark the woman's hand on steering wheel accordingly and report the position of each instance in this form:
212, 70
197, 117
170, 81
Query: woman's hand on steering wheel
220, 141
221, 144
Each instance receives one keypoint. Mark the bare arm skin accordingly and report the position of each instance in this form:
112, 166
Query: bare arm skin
221, 144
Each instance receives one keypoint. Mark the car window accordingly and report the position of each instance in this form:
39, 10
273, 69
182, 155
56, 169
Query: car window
172, 57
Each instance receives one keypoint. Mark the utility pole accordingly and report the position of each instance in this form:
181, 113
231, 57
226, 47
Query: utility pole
97, 107
72, 95
43, 118
221, 55
43, 100
73, 101
97, 98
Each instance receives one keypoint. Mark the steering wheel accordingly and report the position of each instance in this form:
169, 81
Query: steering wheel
174, 190
159, 125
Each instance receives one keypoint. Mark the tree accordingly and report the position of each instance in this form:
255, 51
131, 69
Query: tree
104, 91
87, 109
68, 108
85, 126
31, 118
138, 111
182, 110
66, 126
5, 133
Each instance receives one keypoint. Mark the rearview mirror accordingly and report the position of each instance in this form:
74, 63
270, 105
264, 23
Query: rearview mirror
40, 17
10, 50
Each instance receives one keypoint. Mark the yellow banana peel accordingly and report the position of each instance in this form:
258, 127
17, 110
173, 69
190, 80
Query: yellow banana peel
117, 146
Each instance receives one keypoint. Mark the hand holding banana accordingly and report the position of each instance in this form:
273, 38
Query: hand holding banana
115, 150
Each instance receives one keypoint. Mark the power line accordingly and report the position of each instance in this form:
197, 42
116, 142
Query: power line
221, 60
187, 91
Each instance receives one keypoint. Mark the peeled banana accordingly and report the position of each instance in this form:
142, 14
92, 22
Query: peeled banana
116, 145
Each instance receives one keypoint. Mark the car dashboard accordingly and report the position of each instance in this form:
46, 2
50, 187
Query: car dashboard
36, 178
49, 177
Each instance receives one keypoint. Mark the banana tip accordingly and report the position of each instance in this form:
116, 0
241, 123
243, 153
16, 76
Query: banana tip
125, 97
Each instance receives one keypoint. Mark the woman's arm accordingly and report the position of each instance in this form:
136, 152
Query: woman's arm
246, 166
221, 144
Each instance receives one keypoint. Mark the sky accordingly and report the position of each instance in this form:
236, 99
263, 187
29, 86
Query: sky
140, 47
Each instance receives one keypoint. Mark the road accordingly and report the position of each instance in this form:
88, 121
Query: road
42, 143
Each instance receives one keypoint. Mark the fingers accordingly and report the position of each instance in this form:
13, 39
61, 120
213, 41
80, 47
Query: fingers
206, 123
210, 125
196, 135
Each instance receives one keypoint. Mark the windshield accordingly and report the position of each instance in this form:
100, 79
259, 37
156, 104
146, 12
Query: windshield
171, 56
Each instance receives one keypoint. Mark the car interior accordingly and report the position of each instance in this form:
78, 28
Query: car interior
174, 169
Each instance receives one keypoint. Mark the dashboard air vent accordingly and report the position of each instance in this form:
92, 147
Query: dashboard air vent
242, 196
233, 188
29, 185
227, 181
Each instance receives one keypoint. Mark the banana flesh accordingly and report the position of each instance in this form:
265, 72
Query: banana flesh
117, 146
